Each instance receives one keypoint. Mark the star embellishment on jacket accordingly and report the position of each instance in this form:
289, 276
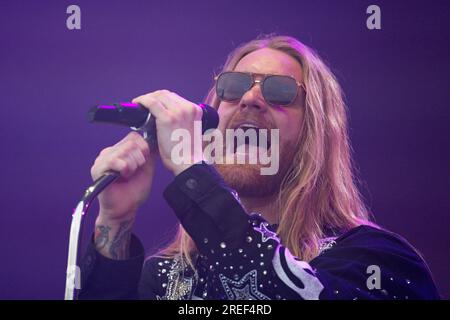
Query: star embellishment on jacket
266, 233
244, 289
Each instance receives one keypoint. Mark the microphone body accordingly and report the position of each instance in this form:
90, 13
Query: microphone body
139, 118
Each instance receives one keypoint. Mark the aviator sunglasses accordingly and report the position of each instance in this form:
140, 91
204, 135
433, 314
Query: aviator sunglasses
278, 90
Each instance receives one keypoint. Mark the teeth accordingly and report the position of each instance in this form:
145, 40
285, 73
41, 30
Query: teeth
248, 125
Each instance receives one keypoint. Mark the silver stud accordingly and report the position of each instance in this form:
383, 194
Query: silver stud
259, 245
392, 279
236, 277
163, 271
261, 263
265, 272
269, 247
217, 263
336, 291
223, 245
251, 261
240, 250
248, 239
262, 255
231, 267
408, 281
205, 241
164, 285
160, 264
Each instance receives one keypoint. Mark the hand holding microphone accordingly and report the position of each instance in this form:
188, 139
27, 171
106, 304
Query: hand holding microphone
134, 159
173, 112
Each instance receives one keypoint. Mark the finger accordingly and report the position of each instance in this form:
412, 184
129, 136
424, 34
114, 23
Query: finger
111, 164
168, 99
125, 170
178, 105
125, 159
155, 107
134, 140
137, 157
129, 137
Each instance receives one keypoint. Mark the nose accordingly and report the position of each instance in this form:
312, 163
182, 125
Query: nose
254, 99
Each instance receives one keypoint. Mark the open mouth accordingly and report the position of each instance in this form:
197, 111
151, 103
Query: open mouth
251, 135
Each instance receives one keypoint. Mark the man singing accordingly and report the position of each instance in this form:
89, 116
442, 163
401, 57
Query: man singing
300, 233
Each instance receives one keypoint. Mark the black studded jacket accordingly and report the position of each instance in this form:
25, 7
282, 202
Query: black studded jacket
241, 257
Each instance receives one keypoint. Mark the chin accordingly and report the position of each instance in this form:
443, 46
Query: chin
247, 180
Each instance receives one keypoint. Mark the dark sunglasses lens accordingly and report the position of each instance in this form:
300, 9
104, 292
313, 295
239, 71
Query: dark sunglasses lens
280, 90
232, 85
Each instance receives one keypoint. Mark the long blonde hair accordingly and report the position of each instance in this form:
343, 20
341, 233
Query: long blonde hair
319, 190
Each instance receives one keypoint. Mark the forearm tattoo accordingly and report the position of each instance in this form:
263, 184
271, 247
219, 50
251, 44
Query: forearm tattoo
101, 236
118, 247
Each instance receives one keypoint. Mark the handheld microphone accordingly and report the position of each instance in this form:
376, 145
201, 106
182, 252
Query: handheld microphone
138, 118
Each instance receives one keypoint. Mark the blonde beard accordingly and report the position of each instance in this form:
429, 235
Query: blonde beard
248, 181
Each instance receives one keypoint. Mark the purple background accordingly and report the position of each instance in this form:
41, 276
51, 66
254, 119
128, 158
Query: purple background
395, 79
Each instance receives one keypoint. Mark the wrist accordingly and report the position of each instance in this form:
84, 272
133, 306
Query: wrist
113, 219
